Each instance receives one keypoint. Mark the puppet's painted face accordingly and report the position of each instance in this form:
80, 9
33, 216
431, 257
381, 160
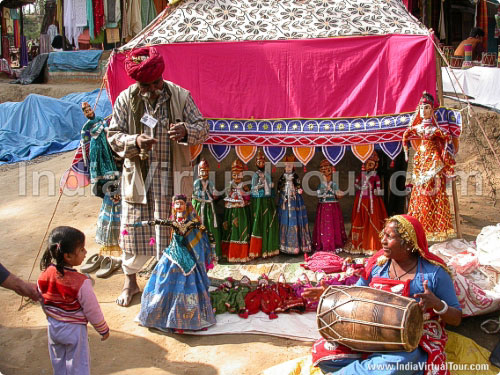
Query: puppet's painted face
288, 167
180, 206
370, 165
237, 176
260, 163
89, 112
426, 111
326, 170
204, 174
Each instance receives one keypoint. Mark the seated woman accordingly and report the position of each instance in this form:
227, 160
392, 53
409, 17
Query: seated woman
404, 266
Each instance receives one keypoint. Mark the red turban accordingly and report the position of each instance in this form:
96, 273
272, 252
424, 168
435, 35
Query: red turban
144, 64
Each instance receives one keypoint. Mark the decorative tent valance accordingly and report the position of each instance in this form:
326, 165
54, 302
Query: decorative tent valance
333, 135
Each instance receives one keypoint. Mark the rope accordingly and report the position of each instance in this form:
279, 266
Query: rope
471, 114
43, 241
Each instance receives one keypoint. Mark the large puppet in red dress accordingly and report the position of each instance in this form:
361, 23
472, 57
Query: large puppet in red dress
368, 211
432, 164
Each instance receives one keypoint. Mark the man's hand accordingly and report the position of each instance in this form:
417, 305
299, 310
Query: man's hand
104, 337
177, 132
145, 142
21, 287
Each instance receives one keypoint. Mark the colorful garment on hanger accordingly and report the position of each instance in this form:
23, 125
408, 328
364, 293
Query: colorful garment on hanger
99, 21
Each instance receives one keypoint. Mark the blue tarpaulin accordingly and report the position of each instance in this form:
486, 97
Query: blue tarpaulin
40, 125
80, 61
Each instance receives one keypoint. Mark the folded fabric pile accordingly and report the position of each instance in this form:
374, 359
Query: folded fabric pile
323, 261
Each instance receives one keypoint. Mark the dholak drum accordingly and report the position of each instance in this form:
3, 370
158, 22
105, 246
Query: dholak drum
489, 59
368, 319
456, 61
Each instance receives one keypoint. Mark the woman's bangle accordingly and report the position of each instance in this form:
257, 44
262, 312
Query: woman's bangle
443, 310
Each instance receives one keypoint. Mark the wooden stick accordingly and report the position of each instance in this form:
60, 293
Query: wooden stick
456, 208
439, 79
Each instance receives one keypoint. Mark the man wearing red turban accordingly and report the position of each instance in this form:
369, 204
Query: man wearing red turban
154, 123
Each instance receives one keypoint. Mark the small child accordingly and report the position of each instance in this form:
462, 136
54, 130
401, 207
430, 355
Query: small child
69, 302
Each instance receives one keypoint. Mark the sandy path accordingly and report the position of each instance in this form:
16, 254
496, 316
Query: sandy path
131, 349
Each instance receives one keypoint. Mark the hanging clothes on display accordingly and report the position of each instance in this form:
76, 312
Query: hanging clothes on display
17, 34
74, 19
90, 17
98, 8
112, 13
160, 5
148, 12
134, 17
80, 18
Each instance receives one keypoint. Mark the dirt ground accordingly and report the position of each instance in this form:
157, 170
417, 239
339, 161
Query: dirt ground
27, 206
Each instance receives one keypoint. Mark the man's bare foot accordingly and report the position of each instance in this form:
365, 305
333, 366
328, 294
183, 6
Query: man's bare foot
130, 289
126, 296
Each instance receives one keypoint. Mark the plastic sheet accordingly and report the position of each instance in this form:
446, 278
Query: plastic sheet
40, 125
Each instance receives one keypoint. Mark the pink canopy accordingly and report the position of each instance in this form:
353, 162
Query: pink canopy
306, 79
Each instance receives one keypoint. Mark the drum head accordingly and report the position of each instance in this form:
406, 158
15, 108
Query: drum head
415, 326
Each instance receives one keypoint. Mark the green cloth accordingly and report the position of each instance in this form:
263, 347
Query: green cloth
236, 226
90, 18
148, 12
99, 38
208, 220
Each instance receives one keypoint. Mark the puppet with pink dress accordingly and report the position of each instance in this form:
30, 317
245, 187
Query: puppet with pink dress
329, 231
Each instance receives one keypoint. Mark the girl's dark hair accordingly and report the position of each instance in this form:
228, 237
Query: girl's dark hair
62, 240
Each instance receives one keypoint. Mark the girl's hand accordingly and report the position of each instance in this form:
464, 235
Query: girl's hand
300, 191
104, 337
428, 300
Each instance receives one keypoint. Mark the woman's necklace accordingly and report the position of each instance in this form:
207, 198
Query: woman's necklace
404, 274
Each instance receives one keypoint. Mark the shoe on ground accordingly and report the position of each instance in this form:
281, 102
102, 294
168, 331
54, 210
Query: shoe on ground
92, 264
108, 266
